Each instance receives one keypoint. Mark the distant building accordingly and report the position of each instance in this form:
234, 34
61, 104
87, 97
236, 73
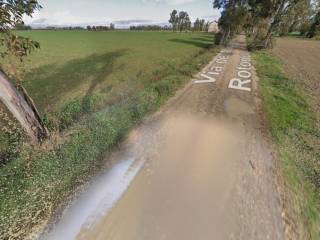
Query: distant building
213, 27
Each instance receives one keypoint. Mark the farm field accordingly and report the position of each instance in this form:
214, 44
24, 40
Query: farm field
91, 88
301, 59
77, 63
76, 71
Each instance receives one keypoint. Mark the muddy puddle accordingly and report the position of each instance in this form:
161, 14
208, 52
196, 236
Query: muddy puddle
172, 188
235, 107
97, 201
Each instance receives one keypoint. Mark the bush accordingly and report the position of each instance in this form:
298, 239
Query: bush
10, 137
304, 28
74, 109
218, 38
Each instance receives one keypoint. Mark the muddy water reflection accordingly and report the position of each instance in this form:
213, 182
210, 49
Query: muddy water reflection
97, 201
182, 190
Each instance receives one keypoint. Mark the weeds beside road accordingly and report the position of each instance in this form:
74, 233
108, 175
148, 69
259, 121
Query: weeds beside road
294, 126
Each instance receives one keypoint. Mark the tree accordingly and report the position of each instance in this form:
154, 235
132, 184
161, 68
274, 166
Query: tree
112, 27
180, 21
260, 19
233, 17
199, 25
202, 24
273, 13
206, 26
187, 23
12, 92
315, 22
196, 25
315, 27
21, 26
297, 18
149, 28
184, 22
174, 19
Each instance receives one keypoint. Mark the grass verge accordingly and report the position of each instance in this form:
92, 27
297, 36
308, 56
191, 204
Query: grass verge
293, 125
35, 184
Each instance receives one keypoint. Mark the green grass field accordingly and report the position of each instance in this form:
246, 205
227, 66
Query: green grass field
77, 63
91, 88
77, 72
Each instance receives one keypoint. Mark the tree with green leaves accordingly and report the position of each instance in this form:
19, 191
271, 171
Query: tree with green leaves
112, 27
12, 93
174, 18
207, 26
233, 18
184, 22
273, 13
315, 26
202, 25
260, 19
199, 25
196, 25
22, 27
296, 18
180, 21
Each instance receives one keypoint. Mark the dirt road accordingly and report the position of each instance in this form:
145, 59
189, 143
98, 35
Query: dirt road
201, 168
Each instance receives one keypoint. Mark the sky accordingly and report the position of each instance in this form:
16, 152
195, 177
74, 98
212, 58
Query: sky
121, 12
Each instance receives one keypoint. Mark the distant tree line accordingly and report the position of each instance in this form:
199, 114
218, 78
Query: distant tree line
150, 28
22, 26
201, 25
63, 28
101, 28
183, 23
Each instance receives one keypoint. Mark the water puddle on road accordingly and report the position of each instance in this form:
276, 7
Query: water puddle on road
180, 189
183, 190
97, 201
235, 107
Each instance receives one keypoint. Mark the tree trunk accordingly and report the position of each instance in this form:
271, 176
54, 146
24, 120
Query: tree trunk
316, 24
267, 41
23, 109
225, 37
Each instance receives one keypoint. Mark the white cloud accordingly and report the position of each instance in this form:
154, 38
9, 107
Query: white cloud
101, 12
45, 18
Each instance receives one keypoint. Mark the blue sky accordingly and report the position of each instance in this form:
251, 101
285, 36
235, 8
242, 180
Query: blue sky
121, 12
